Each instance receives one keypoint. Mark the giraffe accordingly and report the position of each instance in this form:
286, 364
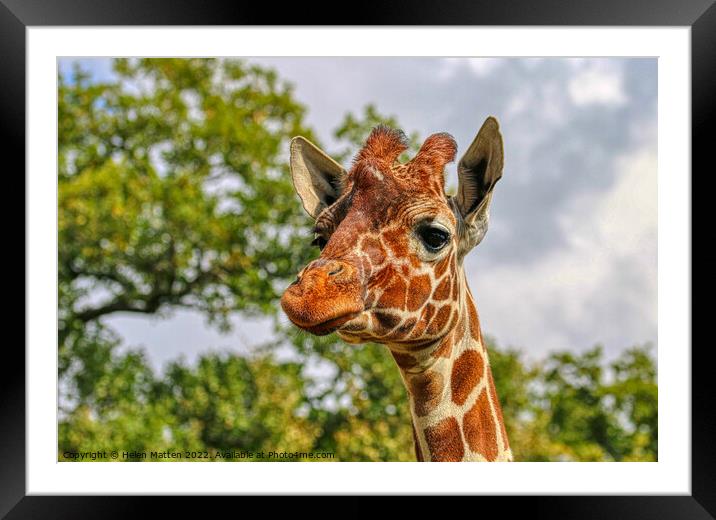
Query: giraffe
391, 271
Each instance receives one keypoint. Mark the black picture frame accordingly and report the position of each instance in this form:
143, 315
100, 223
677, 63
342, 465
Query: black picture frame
17, 15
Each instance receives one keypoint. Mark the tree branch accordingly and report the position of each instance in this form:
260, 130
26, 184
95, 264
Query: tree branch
145, 304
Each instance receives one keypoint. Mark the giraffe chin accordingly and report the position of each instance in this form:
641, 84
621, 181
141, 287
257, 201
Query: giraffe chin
326, 327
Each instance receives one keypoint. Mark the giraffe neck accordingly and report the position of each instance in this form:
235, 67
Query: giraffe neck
455, 410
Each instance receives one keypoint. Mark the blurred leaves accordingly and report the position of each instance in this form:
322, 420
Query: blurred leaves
579, 407
174, 191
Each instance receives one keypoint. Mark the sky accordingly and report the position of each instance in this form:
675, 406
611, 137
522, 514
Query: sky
570, 259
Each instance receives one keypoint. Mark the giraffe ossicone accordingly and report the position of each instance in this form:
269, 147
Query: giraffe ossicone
391, 271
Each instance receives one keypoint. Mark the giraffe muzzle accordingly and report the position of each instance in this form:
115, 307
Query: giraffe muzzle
325, 296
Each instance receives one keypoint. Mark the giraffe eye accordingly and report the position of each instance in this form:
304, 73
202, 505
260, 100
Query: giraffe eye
434, 238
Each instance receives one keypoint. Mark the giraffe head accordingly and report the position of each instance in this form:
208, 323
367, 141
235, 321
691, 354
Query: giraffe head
392, 242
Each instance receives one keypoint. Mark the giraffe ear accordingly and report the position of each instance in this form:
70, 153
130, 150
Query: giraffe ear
478, 171
318, 179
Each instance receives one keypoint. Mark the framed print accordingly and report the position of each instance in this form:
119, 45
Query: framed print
253, 240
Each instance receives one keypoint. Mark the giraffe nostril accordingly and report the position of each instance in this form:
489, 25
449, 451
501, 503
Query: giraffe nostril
337, 269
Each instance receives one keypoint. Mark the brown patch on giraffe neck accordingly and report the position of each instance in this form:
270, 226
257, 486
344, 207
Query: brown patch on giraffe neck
467, 371
445, 441
479, 427
427, 390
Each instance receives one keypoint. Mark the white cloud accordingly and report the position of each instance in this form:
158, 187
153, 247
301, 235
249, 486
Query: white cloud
600, 288
600, 82
484, 66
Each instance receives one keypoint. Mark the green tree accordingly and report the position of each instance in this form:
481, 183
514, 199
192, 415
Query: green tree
579, 407
224, 403
634, 402
173, 190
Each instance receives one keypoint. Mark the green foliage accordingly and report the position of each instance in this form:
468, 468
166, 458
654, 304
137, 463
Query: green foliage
224, 403
371, 420
579, 407
174, 191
